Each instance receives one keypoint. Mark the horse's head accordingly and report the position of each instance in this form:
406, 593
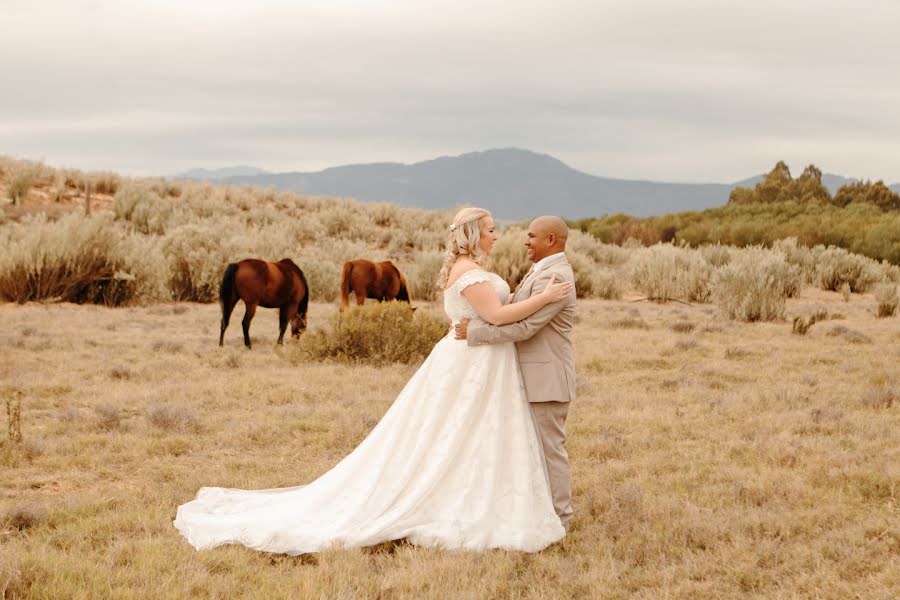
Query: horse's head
298, 325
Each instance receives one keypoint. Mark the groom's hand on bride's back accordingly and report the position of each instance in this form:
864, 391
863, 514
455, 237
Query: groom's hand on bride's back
461, 328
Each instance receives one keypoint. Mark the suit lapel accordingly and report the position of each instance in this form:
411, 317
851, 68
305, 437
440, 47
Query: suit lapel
521, 285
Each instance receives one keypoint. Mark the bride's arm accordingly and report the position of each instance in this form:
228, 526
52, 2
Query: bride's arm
484, 300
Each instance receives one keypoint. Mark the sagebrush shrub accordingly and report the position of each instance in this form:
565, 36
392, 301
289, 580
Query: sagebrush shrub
323, 277
611, 254
754, 285
108, 417
139, 204
20, 177
197, 257
801, 256
891, 272
606, 285
835, 267
508, 257
886, 296
105, 182
377, 334
717, 255
664, 272
586, 244
590, 280
74, 259
343, 220
422, 278
850, 335
172, 418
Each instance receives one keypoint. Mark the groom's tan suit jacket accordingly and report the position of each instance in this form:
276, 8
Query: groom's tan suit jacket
543, 340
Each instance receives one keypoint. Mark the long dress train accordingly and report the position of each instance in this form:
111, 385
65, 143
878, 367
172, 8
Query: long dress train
455, 462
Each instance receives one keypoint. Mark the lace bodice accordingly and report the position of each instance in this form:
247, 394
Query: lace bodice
455, 304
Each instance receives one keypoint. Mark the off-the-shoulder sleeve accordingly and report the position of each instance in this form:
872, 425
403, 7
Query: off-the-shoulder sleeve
471, 278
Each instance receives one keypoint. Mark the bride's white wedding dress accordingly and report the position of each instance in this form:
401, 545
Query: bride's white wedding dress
455, 462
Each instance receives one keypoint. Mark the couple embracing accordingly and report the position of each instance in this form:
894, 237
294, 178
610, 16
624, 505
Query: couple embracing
470, 455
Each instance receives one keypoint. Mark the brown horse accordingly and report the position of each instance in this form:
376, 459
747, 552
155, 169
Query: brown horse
381, 281
257, 282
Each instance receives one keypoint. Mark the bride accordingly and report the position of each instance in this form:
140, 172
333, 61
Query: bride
455, 462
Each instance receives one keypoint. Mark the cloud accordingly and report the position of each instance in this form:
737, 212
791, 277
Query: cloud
695, 90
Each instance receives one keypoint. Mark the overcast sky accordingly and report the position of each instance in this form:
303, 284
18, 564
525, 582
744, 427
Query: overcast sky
687, 90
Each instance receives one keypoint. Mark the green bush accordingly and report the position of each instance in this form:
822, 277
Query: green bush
377, 334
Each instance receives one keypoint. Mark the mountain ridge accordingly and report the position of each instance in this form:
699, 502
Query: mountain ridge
512, 183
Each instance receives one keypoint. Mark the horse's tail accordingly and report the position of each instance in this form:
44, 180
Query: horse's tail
403, 292
346, 281
304, 301
226, 288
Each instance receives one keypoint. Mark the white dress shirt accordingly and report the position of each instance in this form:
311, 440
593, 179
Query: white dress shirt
544, 261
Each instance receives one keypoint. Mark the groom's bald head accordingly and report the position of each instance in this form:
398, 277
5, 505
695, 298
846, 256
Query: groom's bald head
546, 235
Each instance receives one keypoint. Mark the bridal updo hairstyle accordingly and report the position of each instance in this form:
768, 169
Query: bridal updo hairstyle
465, 232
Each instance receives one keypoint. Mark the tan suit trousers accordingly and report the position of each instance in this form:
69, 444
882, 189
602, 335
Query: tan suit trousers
550, 422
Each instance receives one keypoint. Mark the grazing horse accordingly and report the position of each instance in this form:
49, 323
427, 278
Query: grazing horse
257, 282
381, 281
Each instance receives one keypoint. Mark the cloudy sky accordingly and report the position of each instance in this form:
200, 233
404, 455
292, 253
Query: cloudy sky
693, 90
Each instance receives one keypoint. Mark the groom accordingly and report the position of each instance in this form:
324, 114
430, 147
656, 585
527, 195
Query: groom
544, 345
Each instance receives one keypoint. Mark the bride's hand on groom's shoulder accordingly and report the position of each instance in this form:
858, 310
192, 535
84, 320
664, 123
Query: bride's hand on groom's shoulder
554, 292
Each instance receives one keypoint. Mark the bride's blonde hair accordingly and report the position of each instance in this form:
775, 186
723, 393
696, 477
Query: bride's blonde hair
465, 232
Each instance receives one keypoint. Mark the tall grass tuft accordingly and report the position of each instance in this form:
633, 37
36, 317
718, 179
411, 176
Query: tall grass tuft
376, 334
13, 417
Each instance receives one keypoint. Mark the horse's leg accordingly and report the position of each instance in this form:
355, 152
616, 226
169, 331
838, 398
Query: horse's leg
283, 317
248, 316
227, 307
360, 295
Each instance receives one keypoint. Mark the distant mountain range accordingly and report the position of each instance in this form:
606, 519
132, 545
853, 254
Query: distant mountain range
220, 174
511, 183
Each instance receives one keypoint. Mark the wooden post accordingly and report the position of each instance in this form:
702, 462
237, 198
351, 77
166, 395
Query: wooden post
87, 198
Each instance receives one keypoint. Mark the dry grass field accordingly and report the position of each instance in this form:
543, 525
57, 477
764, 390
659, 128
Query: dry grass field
711, 459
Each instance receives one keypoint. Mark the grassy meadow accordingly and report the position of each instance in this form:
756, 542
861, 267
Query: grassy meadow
718, 449
710, 459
